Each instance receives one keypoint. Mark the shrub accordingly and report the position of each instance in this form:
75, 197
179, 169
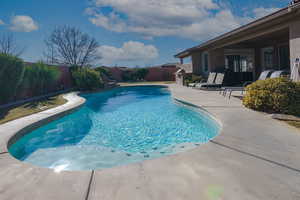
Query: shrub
11, 75
127, 76
135, 74
40, 77
104, 71
278, 95
140, 73
86, 78
192, 79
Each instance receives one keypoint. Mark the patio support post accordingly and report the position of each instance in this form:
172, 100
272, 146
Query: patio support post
294, 48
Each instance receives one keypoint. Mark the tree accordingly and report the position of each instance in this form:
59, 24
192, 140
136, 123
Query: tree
8, 45
68, 45
11, 76
141, 73
40, 77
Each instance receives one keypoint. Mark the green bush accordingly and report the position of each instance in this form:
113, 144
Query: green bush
192, 79
104, 71
86, 78
140, 73
11, 75
128, 76
135, 74
40, 77
278, 95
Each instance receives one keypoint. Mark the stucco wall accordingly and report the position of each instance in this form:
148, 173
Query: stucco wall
295, 43
197, 63
217, 59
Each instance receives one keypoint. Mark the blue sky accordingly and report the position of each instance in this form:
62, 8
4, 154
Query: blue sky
130, 32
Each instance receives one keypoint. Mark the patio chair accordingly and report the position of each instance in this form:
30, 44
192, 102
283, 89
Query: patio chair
263, 76
278, 74
211, 79
192, 84
218, 82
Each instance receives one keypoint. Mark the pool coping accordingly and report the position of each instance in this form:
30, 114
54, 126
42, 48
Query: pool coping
13, 130
74, 102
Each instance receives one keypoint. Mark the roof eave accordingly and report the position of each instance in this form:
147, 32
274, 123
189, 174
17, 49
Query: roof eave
257, 22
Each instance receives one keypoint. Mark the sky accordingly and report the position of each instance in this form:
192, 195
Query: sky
130, 32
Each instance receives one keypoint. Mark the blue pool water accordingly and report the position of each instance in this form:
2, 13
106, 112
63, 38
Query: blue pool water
117, 127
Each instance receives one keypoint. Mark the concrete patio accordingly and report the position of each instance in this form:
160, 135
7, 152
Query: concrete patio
253, 158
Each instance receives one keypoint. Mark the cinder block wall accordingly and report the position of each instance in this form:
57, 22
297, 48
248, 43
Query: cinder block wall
161, 74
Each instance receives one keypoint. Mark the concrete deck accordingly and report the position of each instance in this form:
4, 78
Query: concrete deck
254, 157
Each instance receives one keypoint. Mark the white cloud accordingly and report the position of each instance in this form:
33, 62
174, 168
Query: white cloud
193, 19
1, 22
261, 12
22, 23
131, 51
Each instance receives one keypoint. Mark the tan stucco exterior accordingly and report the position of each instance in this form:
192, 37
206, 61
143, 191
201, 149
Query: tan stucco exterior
217, 59
197, 63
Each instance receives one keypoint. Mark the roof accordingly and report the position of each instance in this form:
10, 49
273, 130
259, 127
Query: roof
263, 20
180, 71
188, 68
170, 65
167, 65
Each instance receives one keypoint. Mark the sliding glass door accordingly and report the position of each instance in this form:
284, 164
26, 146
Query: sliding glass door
238, 63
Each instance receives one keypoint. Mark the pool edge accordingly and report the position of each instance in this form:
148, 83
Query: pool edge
11, 131
75, 105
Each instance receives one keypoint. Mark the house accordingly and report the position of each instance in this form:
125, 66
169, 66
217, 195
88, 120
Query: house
272, 42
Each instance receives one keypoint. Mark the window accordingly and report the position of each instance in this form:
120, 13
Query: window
244, 64
205, 61
268, 56
239, 63
284, 57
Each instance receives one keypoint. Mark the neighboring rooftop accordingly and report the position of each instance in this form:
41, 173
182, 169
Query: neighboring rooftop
188, 68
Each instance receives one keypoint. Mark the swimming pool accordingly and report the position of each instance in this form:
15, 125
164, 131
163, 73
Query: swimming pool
117, 127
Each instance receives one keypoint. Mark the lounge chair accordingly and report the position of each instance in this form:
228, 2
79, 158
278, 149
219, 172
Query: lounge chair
263, 76
211, 79
278, 74
218, 82
192, 84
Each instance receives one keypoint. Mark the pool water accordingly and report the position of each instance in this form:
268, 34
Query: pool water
117, 127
